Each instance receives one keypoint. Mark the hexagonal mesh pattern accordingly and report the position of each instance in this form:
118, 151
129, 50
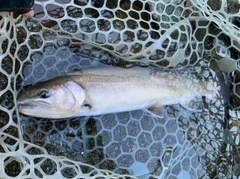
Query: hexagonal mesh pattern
66, 35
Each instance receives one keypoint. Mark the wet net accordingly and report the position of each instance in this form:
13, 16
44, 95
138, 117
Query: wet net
188, 35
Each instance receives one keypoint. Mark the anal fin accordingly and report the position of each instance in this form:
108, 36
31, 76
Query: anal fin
194, 104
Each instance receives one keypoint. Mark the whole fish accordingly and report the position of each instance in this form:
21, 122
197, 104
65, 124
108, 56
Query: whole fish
105, 90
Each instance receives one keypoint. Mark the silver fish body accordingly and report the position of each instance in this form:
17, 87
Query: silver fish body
110, 90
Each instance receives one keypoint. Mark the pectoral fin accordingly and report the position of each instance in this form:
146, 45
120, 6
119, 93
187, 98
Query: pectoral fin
156, 110
195, 104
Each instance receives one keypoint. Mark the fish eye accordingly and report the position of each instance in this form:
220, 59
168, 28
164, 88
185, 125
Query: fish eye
43, 94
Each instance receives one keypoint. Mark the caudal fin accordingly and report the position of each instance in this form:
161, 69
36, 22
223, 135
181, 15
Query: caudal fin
224, 92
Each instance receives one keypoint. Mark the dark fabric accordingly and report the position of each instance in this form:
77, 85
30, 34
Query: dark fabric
18, 6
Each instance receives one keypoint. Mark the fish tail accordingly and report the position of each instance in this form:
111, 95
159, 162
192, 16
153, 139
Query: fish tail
223, 88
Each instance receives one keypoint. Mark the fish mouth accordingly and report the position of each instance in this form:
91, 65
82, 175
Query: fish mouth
22, 104
26, 105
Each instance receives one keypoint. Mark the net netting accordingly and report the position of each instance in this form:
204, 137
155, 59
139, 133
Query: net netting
199, 36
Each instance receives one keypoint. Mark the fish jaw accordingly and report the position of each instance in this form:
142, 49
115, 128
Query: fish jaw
30, 107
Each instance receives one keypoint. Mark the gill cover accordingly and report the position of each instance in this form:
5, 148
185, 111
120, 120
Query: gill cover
68, 96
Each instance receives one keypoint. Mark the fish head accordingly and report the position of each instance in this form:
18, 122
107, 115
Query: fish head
52, 99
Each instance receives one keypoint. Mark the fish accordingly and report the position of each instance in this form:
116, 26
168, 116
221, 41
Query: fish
104, 90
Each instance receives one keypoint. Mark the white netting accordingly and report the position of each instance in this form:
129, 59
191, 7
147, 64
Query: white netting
66, 35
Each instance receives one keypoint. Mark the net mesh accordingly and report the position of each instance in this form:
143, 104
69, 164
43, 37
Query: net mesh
65, 35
